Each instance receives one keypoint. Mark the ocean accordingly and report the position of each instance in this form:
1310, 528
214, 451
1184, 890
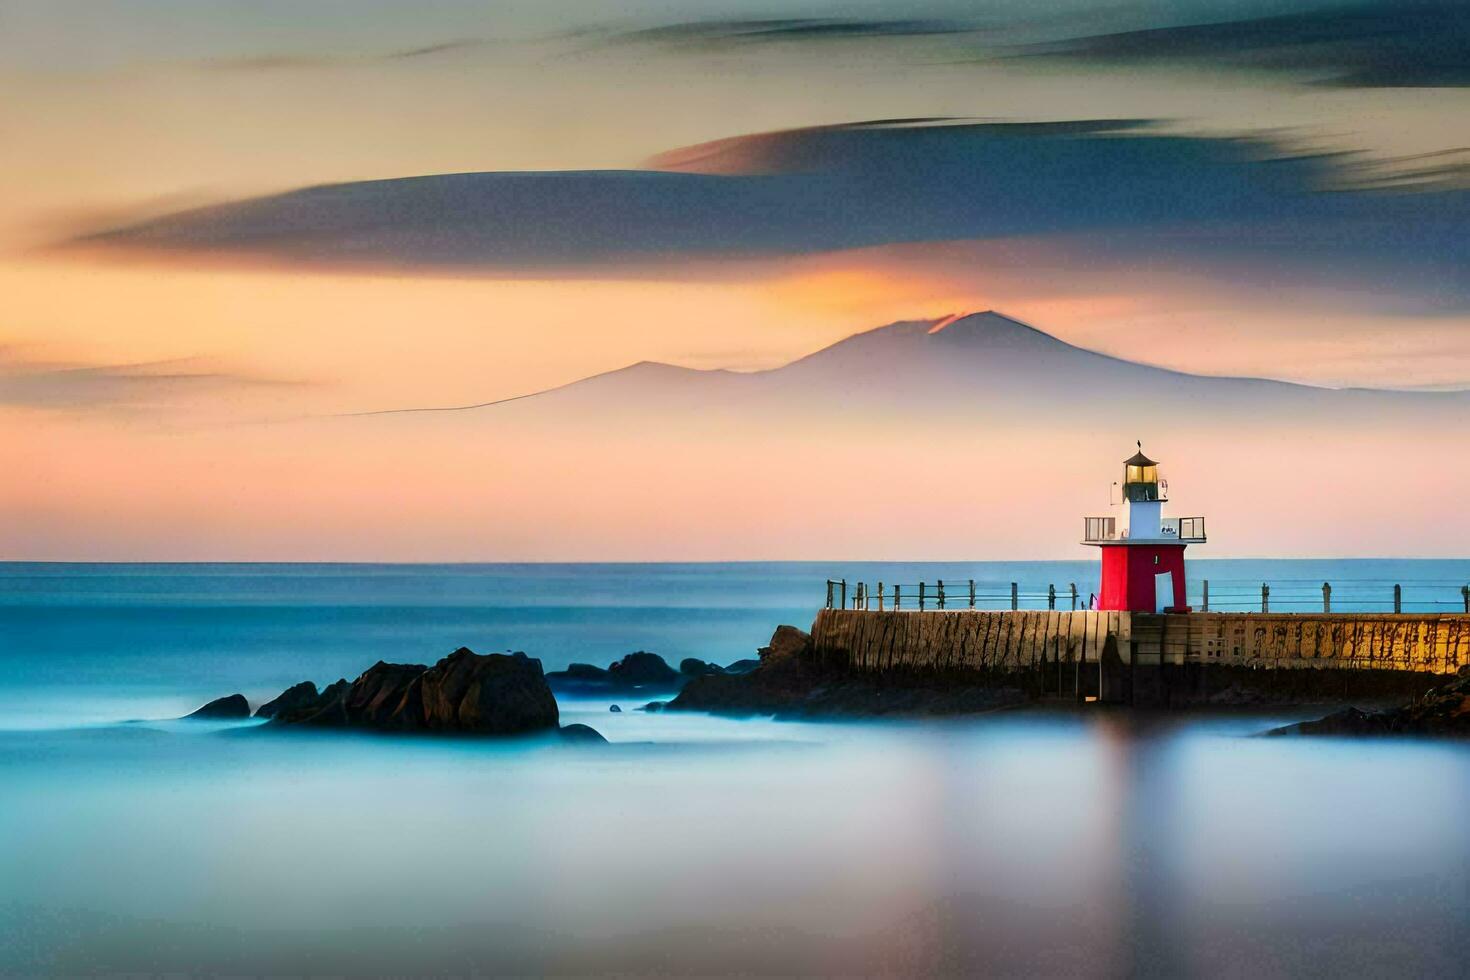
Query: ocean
1098, 844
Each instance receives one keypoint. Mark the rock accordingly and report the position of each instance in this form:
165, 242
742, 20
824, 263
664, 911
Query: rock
327, 710
615, 709
742, 666
1348, 721
694, 667
234, 706
1440, 711
786, 642
585, 672
377, 698
634, 671
493, 694
292, 698
643, 669
788, 682
581, 733
653, 707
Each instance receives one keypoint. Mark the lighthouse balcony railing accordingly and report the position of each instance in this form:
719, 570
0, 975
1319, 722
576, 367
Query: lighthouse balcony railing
1190, 530
1187, 529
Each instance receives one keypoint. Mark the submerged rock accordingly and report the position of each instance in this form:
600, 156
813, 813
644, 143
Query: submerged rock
297, 696
1441, 711
614, 709
581, 733
466, 692
234, 706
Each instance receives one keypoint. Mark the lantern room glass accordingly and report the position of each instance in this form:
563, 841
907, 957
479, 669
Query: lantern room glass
1141, 474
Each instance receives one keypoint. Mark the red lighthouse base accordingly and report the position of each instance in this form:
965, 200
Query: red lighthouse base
1130, 573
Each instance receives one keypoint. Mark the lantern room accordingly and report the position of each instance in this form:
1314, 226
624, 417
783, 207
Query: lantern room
1140, 477
1142, 550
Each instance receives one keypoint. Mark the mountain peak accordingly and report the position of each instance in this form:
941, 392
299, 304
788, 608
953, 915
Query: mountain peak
980, 321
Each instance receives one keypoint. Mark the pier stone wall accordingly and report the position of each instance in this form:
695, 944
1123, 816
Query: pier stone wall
979, 640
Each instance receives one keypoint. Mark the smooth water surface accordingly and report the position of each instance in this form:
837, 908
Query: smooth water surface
1039, 843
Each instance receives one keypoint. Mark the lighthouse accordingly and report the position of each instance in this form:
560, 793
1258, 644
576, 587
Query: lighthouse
1143, 559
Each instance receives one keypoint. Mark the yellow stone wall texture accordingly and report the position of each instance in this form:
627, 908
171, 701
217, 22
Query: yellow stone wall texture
968, 639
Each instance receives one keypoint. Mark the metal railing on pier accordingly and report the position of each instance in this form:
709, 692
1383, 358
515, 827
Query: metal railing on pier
1290, 596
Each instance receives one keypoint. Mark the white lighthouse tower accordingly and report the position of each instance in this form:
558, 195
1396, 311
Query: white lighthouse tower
1143, 560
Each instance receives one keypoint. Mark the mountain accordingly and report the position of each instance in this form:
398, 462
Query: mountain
975, 436
981, 362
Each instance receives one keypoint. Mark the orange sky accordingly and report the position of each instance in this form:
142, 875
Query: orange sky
169, 409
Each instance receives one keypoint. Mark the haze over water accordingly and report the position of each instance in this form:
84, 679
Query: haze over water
1038, 843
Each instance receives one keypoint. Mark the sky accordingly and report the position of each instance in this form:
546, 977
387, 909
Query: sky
229, 227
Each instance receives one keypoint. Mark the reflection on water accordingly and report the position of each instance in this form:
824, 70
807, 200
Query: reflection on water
1011, 844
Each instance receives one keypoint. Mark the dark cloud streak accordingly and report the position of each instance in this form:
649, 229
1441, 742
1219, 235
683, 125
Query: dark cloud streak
718, 33
1383, 43
296, 62
1246, 206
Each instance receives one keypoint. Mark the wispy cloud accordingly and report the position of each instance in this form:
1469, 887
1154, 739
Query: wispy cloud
1380, 43
69, 386
301, 61
721, 33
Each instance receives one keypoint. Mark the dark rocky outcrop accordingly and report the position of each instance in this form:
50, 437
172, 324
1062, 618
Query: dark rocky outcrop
742, 666
641, 670
466, 692
786, 642
614, 709
694, 667
788, 682
1443, 710
222, 709
292, 698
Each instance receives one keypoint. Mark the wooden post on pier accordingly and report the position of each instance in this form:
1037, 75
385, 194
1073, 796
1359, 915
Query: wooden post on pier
1204, 602
1398, 598
1074, 596
941, 593
897, 597
1051, 596
1265, 598
829, 593
972, 594
843, 583
1015, 604
880, 596
1465, 594
1326, 597
921, 597
1081, 663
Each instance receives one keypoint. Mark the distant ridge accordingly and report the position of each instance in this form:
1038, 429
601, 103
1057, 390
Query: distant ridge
962, 361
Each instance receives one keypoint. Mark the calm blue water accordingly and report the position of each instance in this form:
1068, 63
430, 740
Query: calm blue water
89, 642
1017, 844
